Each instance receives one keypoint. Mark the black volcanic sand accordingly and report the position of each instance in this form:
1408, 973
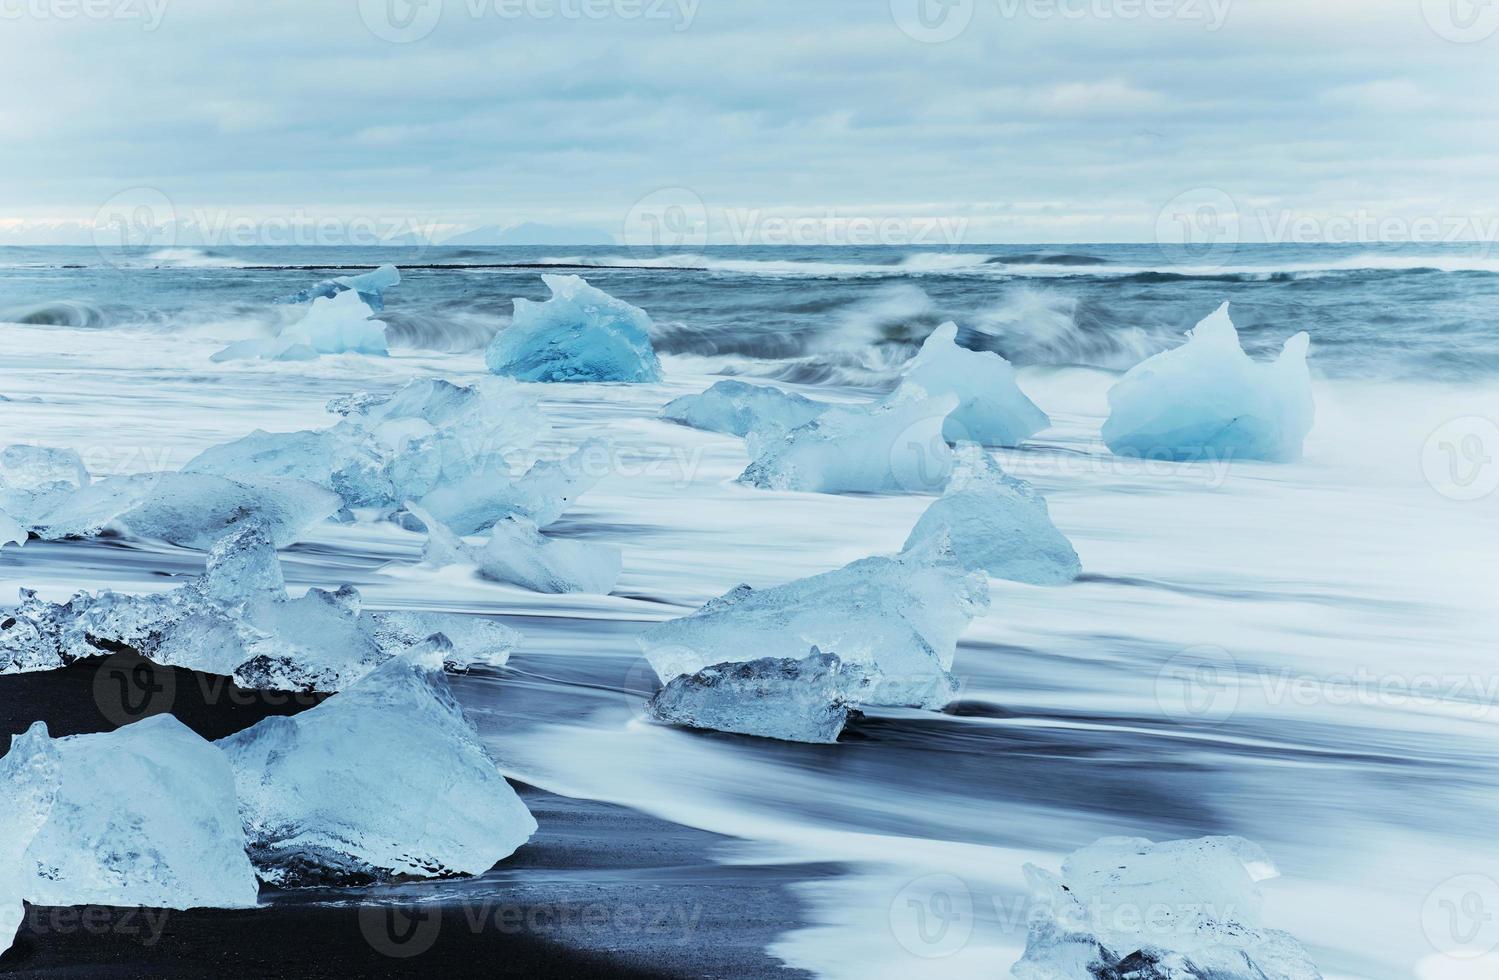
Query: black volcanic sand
599, 891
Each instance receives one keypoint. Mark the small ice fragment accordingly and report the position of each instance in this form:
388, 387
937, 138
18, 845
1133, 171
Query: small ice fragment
580, 334
740, 409
333, 459
899, 617
29, 777
11, 530
805, 700
1125, 906
145, 815
385, 780
34, 478
268, 349
339, 325
521, 555
485, 496
992, 409
1208, 400
998, 523
893, 446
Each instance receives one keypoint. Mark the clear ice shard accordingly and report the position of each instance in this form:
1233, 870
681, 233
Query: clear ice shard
187, 509
340, 324
518, 553
580, 334
29, 776
237, 620
370, 286
387, 779
1125, 907
997, 523
143, 816
992, 410
898, 618
893, 446
739, 409
805, 700
1207, 400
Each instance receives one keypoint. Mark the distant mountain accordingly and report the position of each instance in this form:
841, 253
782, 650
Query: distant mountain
531, 233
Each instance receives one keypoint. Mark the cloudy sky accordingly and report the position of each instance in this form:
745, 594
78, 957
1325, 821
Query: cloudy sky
973, 120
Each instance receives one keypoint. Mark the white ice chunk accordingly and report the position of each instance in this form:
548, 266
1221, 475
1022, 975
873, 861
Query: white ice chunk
893, 446
541, 494
579, 334
387, 779
1208, 400
34, 478
805, 700
266, 349
145, 815
370, 286
1177, 910
330, 458
12, 531
187, 509
519, 554
339, 325
997, 523
29, 777
740, 409
992, 409
899, 616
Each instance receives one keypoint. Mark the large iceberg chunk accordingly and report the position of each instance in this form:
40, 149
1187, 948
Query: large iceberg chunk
341, 324
1208, 400
29, 777
1126, 907
579, 334
806, 700
370, 286
32, 480
893, 446
145, 815
237, 620
992, 409
899, 617
187, 509
740, 409
519, 554
997, 523
385, 780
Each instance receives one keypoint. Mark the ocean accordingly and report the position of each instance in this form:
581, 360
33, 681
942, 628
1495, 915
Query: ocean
1342, 606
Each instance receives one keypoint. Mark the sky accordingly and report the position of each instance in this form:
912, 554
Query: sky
753, 121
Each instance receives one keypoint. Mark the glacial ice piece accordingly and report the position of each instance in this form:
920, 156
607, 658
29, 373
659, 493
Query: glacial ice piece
740, 409
997, 523
266, 349
519, 554
11, 530
992, 409
396, 446
579, 334
237, 620
34, 478
893, 446
805, 700
370, 286
187, 509
339, 325
144, 815
1208, 400
899, 617
385, 780
1126, 907
485, 496
29, 777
